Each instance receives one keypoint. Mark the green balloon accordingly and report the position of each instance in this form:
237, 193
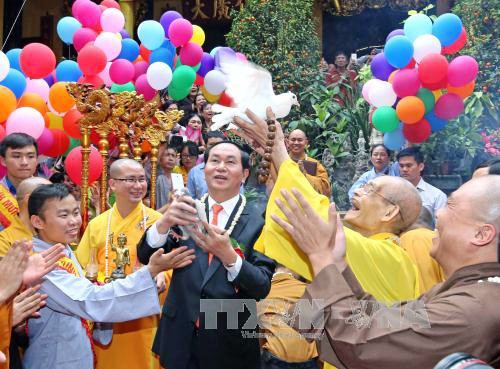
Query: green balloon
385, 119
195, 68
115, 88
183, 77
428, 98
177, 94
73, 142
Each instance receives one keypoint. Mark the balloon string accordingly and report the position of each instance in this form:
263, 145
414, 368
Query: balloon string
13, 24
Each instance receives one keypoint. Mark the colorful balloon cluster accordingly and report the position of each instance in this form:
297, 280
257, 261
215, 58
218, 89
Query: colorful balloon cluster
33, 96
415, 89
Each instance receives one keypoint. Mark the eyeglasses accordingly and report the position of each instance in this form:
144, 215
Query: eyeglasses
370, 188
187, 156
131, 180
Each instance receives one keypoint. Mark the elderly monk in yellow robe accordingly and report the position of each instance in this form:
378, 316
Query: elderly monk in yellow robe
417, 242
311, 168
131, 344
20, 227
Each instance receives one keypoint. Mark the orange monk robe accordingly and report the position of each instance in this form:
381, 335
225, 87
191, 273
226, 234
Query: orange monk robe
16, 231
131, 344
320, 181
417, 244
5, 329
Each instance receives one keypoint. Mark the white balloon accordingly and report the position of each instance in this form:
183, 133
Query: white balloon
4, 66
112, 20
382, 94
25, 120
159, 75
372, 83
110, 44
425, 45
215, 82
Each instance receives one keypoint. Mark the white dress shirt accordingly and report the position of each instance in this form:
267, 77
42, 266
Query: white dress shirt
156, 239
432, 197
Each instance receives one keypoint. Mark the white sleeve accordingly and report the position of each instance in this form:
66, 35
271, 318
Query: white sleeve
154, 238
233, 271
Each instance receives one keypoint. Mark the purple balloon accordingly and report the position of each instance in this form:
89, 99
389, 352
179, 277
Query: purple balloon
381, 68
206, 65
167, 18
124, 33
225, 54
49, 79
396, 32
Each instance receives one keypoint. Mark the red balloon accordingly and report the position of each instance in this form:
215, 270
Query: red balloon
145, 53
225, 100
95, 138
91, 60
436, 86
71, 125
95, 81
110, 4
73, 165
418, 132
411, 64
2, 132
449, 106
37, 60
457, 45
60, 145
432, 68
199, 81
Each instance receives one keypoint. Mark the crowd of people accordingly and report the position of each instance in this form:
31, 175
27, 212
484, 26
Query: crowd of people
214, 280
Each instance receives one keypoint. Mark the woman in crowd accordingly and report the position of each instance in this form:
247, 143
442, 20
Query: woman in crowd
189, 156
193, 132
380, 156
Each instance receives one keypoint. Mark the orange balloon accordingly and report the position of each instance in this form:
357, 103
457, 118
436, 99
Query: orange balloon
8, 103
59, 98
391, 76
32, 100
47, 120
462, 91
145, 146
410, 109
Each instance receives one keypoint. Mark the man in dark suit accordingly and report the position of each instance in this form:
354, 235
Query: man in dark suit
186, 338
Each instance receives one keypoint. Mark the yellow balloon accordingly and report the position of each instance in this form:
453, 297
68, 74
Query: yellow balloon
210, 98
55, 121
437, 94
198, 35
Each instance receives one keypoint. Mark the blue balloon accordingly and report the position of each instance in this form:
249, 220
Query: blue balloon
130, 50
162, 55
13, 56
417, 25
168, 45
395, 140
436, 123
66, 28
68, 71
398, 51
447, 28
151, 34
15, 81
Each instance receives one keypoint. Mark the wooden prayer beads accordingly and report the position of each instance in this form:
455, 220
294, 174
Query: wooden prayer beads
265, 164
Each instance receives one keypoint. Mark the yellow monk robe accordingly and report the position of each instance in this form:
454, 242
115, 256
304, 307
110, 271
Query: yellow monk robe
5, 330
8, 207
16, 231
382, 267
418, 243
131, 344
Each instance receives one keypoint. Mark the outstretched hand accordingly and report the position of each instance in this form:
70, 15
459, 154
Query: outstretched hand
217, 242
12, 267
177, 258
42, 263
323, 246
26, 305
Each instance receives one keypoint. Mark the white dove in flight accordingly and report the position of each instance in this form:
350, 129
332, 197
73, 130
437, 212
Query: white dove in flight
250, 87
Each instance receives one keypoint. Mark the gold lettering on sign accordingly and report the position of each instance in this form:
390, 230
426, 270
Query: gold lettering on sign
197, 10
221, 9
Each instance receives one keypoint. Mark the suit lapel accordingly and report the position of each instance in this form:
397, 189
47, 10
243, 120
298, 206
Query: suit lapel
216, 263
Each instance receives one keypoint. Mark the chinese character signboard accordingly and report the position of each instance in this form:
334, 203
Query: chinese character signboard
210, 10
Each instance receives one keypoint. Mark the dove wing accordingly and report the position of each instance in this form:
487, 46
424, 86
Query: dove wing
247, 84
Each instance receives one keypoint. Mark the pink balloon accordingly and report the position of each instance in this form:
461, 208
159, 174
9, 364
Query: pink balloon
76, 7
406, 83
45, 141
121, 71
104, 75
38, 86
110, 43
89, 14
241, 57
462, 70
82, 37
142, 87
449, 106
2, 133
3, 171
95, 80
180, 32
112, 20
140, 68
191, 54
25, 120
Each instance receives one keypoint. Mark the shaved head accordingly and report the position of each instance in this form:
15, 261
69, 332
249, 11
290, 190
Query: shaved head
483, 196
116, 169
27, 186
297, 133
